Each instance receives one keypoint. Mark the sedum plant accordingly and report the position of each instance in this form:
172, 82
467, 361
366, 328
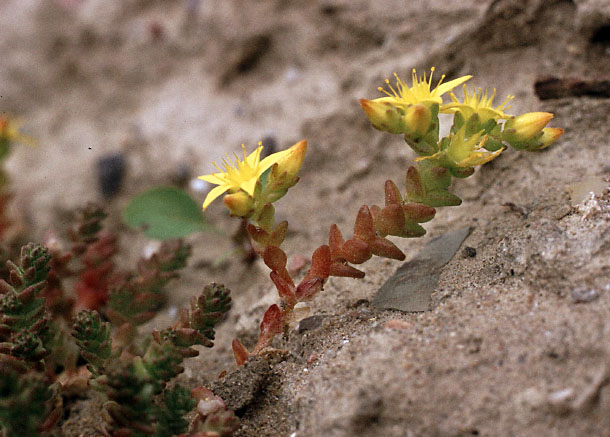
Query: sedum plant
135, 373
139, 401
479, 133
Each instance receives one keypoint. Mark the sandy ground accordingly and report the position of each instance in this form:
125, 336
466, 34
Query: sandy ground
517, 342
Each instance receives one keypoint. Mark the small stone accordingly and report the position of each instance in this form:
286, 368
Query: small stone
560, 401
206, 407
581, 190
470, 252
584, 295
312, 358
110, 174
397, 324
310, 323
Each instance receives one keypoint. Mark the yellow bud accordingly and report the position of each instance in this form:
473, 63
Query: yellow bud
549, 136
291, 162
525, 127
239, 204
418, 119
384, 115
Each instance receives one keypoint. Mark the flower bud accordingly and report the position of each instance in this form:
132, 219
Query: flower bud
525, 126
384, 115
239, 204
549, 136
418, 119
289, 165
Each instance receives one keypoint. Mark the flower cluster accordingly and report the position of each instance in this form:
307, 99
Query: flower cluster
479, 134
253, 183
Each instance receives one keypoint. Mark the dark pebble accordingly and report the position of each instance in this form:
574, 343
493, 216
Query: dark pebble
110, 174
470, 252
310, 323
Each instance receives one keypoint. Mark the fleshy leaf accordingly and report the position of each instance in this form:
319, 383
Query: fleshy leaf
165, 212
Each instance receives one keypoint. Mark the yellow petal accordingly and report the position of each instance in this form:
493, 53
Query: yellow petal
479, 158
249, 186
448, 86
213, 194
267, 162
212, 178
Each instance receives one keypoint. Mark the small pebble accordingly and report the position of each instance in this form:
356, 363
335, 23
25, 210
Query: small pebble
310, 323
110, 174
470, 252
560, 401
398, 324
584, 295
312, 358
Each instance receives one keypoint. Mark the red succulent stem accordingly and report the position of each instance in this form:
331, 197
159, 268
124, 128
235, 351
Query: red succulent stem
370, 228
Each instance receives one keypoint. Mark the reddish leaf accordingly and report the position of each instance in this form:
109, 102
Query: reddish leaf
275, 258
385, 248
203, 393
419, 213
345, 271
356, 251
284, 288
258, 234
308, 288
272, 321
240, 352
335, 242
320, 263
392, 194
391, 220
363, 228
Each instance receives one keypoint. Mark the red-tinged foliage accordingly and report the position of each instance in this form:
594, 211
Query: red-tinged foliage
240, 353
100, 251
272, 321
415, 189
275, 258
92, 287
345, 270
308, 288
390, 220
335, 243
363, 228
392, 194
320, 263
356, 251
418, 213
271, 325
385, 248
285, 288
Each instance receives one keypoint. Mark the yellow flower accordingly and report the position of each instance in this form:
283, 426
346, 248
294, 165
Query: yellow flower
9, 131
464, 153
420, 91
477, 103
243, 174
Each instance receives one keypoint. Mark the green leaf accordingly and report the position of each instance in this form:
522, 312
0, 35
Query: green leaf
165, 212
